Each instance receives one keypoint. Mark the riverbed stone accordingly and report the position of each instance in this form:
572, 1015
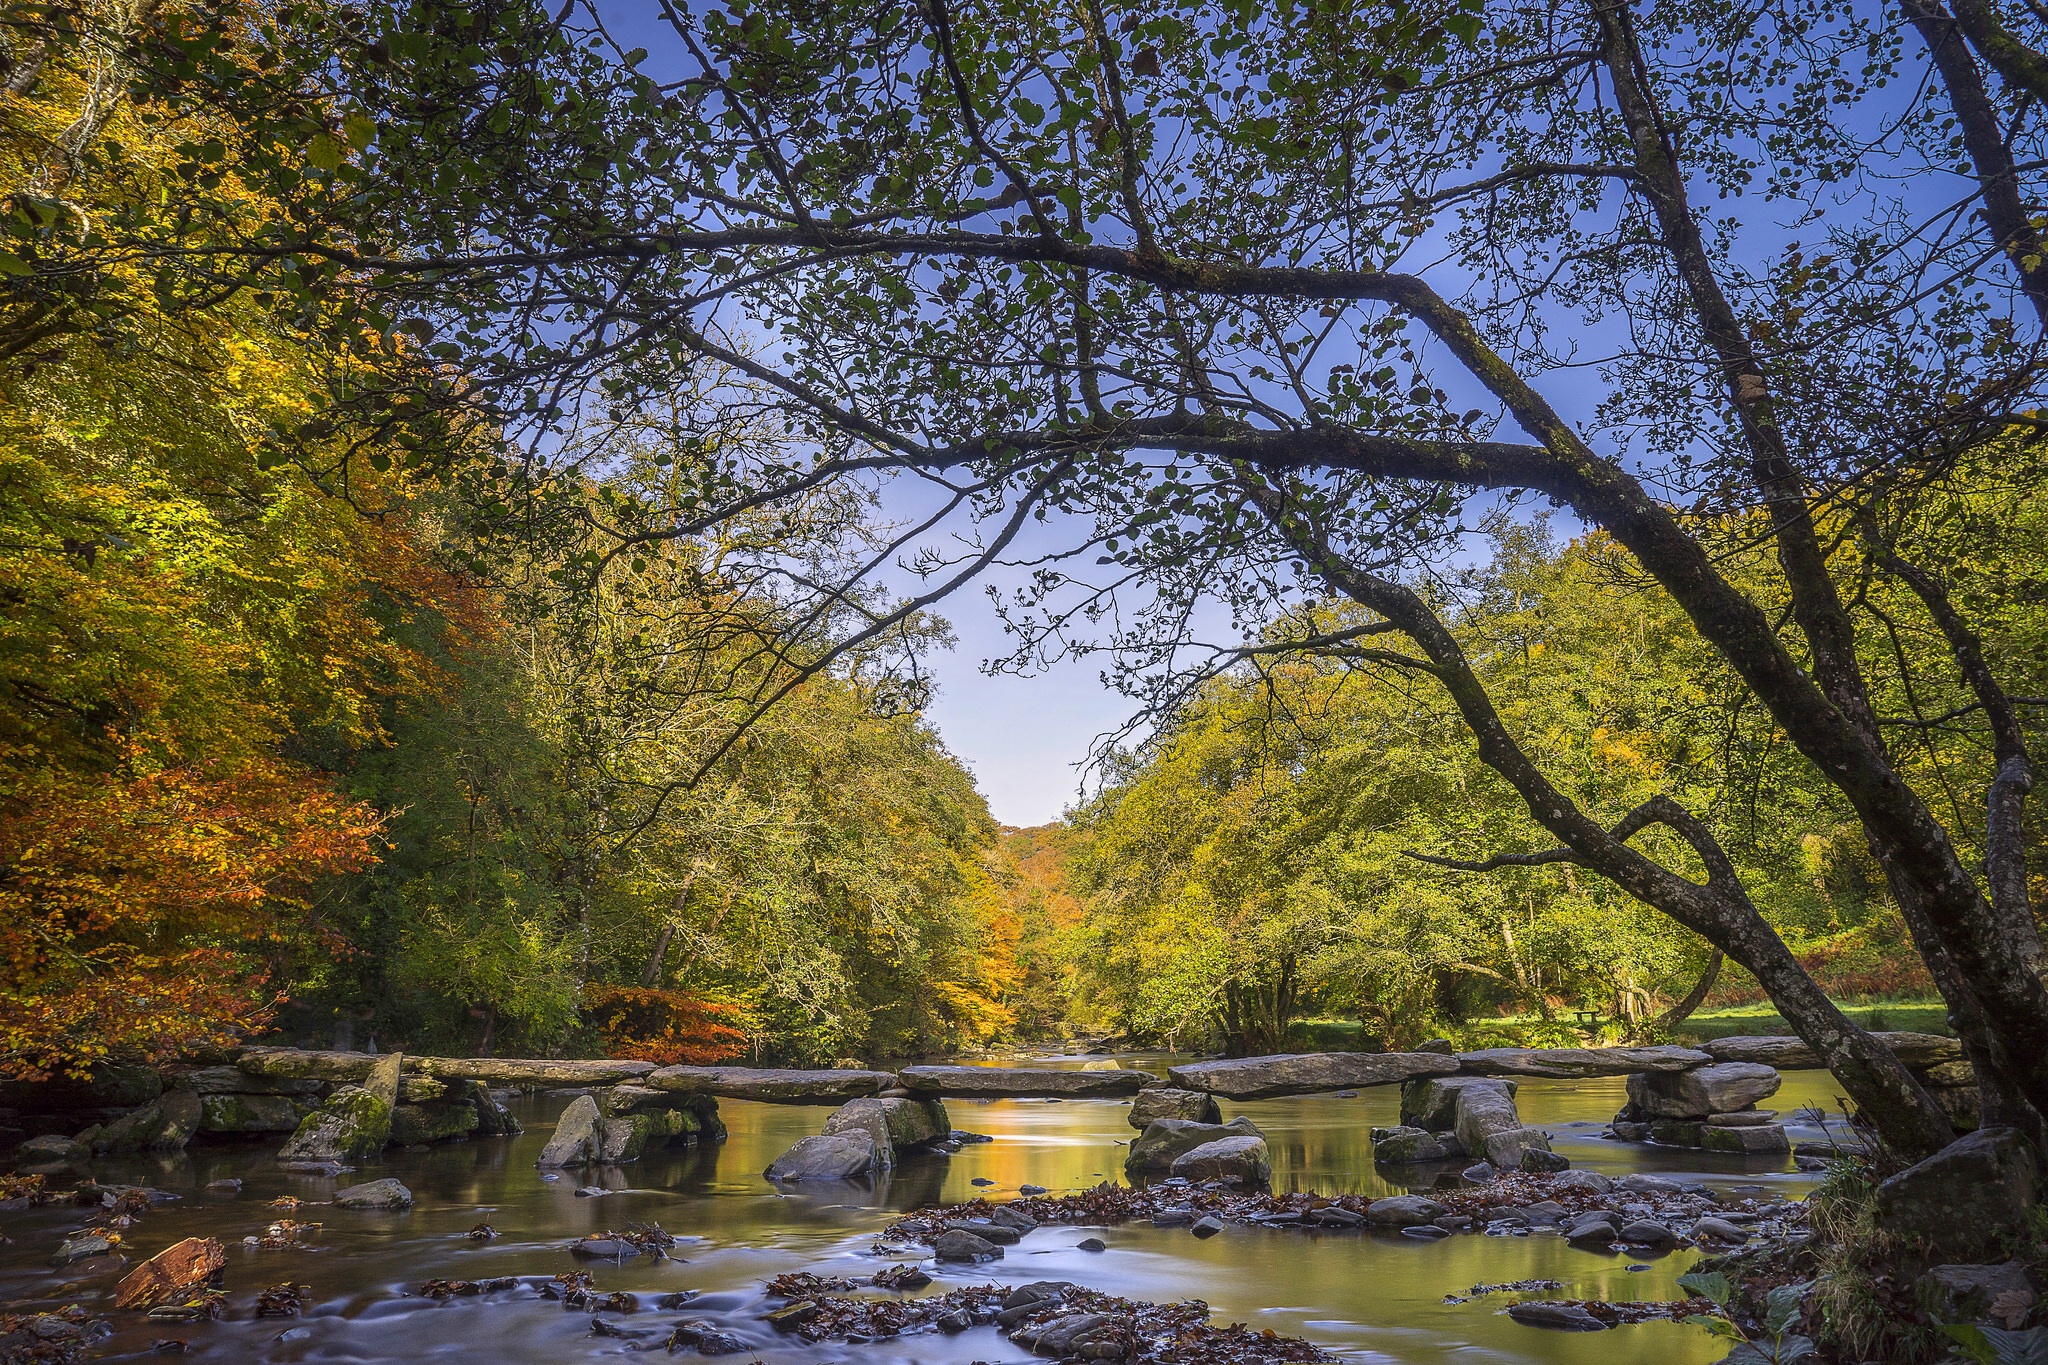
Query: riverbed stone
1407, 1146
1579, 1063
375, 1195
352, 1124
771, 1085
1165, 1102
896, 1124
1718, 1230
51, 1147
171, 1274
1309, 1073
1166, 1140
829, 1156
1432, 1102
1762, 1139
965, 1248
578, 1138
1792, 1054
1556, 1317
1582, 1182
1647, 1232
413, 1124
1000, 1082
1716, 1089
252, 1113
1957, 1204
1402, 1210
165, 1124
1243, 1159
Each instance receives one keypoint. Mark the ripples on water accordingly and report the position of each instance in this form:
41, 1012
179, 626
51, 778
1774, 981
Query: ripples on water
1366, 1297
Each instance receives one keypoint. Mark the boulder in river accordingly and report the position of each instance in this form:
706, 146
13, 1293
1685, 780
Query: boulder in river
1721, 1088
1016, 1082
964, 1247
897, 1125
1165, 1140
439, 1121
1243, 1159
828, 1156
1402, 1210
165, 1124
1759, 1139
252, 1113
1407, 1146
1252, 1078
1958, 1204
171, 1274
1432, 1102
579, 1136
352, 1124
374, 1194
1164, 1102
1557, 1317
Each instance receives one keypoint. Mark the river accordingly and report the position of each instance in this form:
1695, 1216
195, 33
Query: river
1364, 1296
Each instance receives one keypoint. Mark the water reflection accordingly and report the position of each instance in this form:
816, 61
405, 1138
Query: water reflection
1367, 1297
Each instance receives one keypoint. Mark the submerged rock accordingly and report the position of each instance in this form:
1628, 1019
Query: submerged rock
374, 1194
1558, 1317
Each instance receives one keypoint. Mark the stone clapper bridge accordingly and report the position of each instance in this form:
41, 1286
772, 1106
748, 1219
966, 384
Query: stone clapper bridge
1453, 1105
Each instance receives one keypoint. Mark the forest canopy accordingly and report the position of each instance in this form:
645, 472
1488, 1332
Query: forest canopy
598, 345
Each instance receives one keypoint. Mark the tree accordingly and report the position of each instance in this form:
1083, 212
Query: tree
1208, 281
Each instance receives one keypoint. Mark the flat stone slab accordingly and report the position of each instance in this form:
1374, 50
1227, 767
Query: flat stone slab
770, 1084
500, 1071
1308, 1073
512, 1071
1792, 1054
1579, 1063
1022, 1083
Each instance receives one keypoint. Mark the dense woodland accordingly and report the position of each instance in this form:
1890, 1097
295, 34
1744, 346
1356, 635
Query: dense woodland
453, 595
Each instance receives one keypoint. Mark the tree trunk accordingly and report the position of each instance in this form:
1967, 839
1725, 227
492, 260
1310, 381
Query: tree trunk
1694, 998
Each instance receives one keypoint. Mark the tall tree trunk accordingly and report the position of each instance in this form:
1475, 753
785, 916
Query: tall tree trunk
1694, 998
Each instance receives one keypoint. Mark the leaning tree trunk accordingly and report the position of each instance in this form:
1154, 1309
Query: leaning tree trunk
1694, 998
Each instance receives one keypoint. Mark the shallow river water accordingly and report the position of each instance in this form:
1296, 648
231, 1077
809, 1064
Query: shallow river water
1364, 1296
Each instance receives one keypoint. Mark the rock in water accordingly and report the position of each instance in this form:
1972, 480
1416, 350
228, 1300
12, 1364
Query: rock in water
352, 1124
896, 1125
1406, 1146
1164, 1102
1957, 1204
228, 1113
579, 1136
1431, 1103
374, 1194
1756, 1138
965, 1247
1241, 1160
1718, 1089
1402, 1211
383, 1079
1558, 1317
171, 1274
1166, 1140
165, 1124
829, 1156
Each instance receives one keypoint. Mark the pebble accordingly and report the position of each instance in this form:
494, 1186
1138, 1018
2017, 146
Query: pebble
981, 1180
1032, 1190
1091, 1244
